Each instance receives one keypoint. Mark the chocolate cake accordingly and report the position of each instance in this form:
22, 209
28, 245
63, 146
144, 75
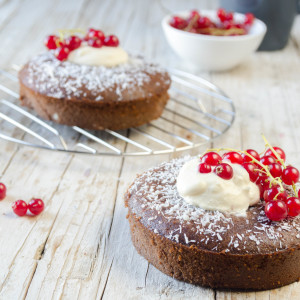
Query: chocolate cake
209, 248
94, 97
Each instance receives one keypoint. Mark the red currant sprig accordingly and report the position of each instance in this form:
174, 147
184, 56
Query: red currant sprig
63, 46
268, 172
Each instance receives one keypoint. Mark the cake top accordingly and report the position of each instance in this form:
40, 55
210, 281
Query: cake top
134, 80
155, 200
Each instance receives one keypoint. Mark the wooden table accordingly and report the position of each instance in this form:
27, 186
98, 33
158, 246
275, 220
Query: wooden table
80, 246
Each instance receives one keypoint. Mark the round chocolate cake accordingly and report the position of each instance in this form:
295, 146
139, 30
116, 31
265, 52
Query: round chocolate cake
94, 97
209, 248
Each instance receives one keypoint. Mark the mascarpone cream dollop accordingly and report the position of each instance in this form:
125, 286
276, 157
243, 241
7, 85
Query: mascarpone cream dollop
211, 192
104, 56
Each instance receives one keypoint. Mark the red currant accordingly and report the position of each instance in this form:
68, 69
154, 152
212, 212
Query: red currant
224, 171
249, 18
293, 205
211, 158
267, 160
62, 53
204, 168
36, 206
178, 22
194, 14
73, 42
276, 210
20, 207
203, 22
275, 169
95, 43
279, 151
274, 193
221, 13
2, 191
253, 153
251, 169
111, 41
229, 16
51, 41
234, 157
95, 35
290, 175
263, 183
228, 25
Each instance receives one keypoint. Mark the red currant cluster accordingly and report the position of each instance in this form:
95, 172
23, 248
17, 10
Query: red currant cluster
20, 207
94, 38
268, 171
196, 23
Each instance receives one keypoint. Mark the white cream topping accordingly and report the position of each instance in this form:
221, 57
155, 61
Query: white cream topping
104, 56
211, 192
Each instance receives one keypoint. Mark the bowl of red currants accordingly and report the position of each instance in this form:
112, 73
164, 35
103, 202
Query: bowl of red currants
213, 40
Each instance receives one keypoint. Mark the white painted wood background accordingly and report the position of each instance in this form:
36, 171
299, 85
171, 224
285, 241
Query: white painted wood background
80, 247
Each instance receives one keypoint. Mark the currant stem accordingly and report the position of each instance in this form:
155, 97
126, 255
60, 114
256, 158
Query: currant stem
295, 190
191, 24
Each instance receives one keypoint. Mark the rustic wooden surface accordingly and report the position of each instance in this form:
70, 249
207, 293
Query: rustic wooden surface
80, 246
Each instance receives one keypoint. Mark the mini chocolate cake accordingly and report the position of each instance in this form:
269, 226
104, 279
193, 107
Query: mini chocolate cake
94, 97
209, 248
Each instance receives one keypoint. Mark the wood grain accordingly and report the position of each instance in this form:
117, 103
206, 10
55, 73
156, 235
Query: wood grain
80, 247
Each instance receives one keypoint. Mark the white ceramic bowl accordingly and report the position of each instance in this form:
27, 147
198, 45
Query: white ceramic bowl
213, 53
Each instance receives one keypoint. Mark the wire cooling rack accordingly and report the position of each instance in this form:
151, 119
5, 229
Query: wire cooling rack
196, 113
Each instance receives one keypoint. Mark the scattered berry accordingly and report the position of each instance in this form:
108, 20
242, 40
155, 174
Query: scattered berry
276, 210
73, 42
252, 153
211, 158
2, 191
224, 171
95, 43
36, 206
20, 207
111, 41
204, 168
280, 152
62, 53
290, 175
267, 160
293, 205
251, 169
234, 157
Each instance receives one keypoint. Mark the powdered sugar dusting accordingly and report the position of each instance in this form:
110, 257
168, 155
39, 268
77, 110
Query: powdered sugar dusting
154, 198
67, 80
